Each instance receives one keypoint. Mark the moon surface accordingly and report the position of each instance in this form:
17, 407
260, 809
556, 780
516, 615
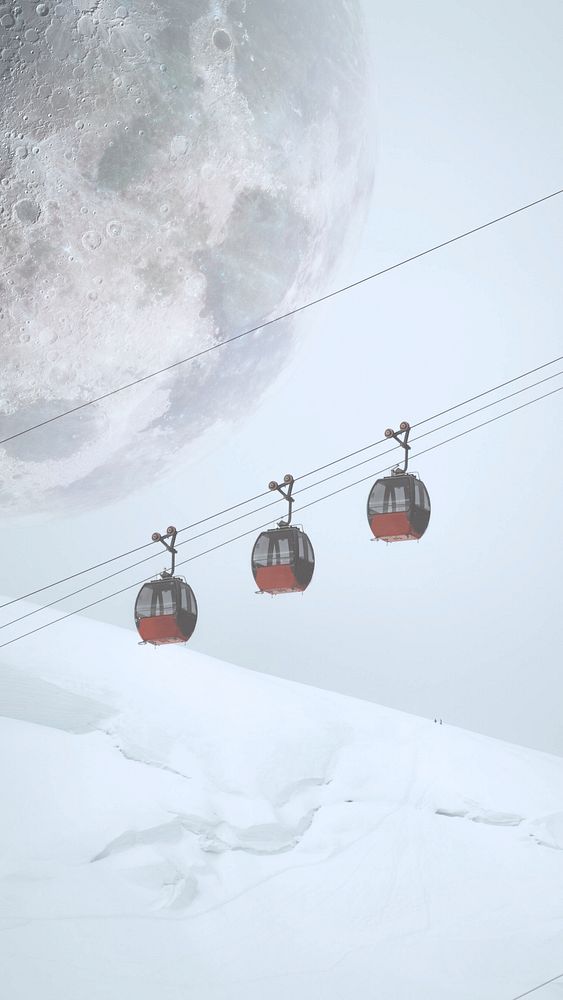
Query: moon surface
171, 173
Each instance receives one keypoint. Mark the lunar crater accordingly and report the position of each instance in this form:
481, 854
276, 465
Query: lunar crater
222, 40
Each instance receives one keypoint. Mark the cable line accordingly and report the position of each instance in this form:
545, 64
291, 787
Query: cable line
426, 450
252, 531
434, 430
130, 552
539, 987
273, 503
259, 496
287, 315
435, 416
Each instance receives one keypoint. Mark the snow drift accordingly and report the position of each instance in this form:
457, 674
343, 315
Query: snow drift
176, 827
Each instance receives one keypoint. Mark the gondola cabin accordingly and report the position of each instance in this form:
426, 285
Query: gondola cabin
398, 508
283, 561
165, 611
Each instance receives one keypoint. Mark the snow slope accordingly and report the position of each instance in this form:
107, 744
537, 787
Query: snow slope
175, 827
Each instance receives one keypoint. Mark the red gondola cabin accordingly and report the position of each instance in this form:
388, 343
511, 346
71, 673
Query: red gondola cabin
165, 611
283, 561
398, 508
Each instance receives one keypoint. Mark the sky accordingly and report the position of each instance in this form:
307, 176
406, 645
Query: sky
465, 625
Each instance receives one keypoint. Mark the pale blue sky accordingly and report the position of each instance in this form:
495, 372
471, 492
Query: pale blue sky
466, 624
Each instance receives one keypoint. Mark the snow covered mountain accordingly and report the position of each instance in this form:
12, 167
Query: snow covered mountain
175, 827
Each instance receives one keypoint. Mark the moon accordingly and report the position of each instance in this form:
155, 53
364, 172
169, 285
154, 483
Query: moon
172, 172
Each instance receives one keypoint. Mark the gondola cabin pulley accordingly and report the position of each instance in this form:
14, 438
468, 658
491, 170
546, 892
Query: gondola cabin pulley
398, 507
166, 608
283, 560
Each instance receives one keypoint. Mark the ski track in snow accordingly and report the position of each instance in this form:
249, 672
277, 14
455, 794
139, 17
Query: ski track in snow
203, 830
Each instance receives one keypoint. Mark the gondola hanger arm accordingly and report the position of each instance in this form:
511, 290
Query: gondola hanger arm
285, 491
170, 546
404, 429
